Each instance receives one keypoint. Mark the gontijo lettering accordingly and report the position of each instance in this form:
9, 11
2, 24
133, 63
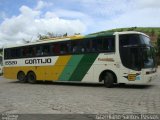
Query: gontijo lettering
38, 61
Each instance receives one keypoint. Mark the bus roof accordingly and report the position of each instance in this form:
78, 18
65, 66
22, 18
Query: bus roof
99, 34
49, 40
130, 32
76, 37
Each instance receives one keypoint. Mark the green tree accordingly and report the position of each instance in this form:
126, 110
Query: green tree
152, 32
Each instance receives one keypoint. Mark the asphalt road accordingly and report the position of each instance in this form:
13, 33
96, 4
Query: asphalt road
63, 98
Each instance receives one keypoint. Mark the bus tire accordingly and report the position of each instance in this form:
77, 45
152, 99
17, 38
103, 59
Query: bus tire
21, 77
109, 80
31, 77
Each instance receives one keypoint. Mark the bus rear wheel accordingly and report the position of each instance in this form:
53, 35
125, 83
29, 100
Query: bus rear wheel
108, 80
21, 77
31, 77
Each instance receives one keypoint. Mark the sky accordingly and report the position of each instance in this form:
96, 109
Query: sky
24, 20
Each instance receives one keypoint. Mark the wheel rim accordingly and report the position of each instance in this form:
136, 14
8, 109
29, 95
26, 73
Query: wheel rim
108, 80
31, 78
21, 77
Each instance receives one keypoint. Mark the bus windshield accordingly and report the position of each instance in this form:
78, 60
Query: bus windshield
136, 52
148, 57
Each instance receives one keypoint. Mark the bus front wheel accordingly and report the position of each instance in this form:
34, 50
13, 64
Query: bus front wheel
21, 77
31, 77
108, 80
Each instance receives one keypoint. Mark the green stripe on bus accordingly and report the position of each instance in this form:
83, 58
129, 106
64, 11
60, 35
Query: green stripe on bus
70, 67
83, 67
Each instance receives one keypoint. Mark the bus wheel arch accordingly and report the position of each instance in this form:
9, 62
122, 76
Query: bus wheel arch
31, 77
21, 76
108, 77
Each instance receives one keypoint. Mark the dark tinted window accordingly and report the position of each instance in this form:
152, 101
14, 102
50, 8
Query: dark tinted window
45, 50
130, 39
131, 57
28, 51
104, 44
6, 53
134, 39
135, 51
12, 53
82, 46
78, 46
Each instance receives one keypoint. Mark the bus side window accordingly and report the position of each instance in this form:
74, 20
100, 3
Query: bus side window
88, 46
52, 49
45, 50
38, 51
15, 53
27, 52
24, 52
105, 44
32, 52
97, 45
63, 48
56, 49
78, 46
74, 46
83, 46
69, 47
7, 53
111, 43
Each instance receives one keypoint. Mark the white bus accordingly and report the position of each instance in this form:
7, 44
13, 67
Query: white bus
111, 58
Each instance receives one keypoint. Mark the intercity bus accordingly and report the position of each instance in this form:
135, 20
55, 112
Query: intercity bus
109, 58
